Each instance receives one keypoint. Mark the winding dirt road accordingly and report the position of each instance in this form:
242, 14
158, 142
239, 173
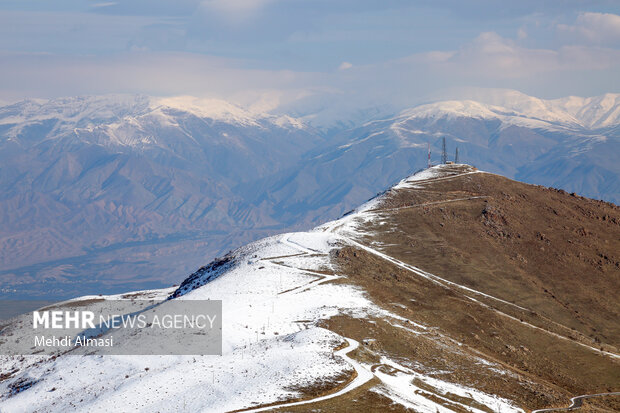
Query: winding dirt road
576, 402
362, 377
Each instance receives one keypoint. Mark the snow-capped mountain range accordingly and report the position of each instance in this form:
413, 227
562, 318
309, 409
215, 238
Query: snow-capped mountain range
514, 108
89, 177
568, 143
118, 185
122, 117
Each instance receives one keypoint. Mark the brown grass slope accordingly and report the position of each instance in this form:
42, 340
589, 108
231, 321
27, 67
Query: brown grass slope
548, 262
553, 252
557, 255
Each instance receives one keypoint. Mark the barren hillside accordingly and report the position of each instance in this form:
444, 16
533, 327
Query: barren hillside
454, 291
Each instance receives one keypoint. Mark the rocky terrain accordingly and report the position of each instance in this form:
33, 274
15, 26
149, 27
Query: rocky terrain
455, 290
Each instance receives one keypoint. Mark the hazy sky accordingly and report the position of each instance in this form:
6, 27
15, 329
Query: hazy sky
273, 52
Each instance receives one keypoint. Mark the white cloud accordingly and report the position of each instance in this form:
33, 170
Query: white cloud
495, 57
599, 28
488, 60
153, 73
234, 10
104, 4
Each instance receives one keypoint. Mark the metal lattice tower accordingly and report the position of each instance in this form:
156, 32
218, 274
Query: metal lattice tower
429, 154
444, 155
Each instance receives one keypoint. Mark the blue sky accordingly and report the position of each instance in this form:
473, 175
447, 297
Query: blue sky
278, 52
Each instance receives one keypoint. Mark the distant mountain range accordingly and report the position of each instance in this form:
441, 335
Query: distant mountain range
570, 143
117, 189
116, 192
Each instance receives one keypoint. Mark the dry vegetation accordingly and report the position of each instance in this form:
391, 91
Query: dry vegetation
552, 253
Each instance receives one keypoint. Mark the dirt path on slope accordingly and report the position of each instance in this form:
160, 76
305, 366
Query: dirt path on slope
361, 377
576, 402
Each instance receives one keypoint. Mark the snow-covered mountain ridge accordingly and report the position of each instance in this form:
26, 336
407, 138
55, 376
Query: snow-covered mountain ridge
511, 107
519, 109
275, 294
84, 174
340, 318
122, 118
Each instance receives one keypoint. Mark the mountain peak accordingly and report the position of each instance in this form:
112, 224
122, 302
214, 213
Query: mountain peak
118, 115
209, 108
516, 108
442, 284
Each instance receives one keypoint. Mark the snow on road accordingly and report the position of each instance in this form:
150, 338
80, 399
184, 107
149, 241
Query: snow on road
363, 376
399, 383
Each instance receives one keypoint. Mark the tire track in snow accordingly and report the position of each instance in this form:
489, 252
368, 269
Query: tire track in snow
402, 184
322, 278
286, 241
362, 375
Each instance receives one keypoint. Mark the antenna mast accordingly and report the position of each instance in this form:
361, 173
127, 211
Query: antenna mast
429, 154
444, 155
